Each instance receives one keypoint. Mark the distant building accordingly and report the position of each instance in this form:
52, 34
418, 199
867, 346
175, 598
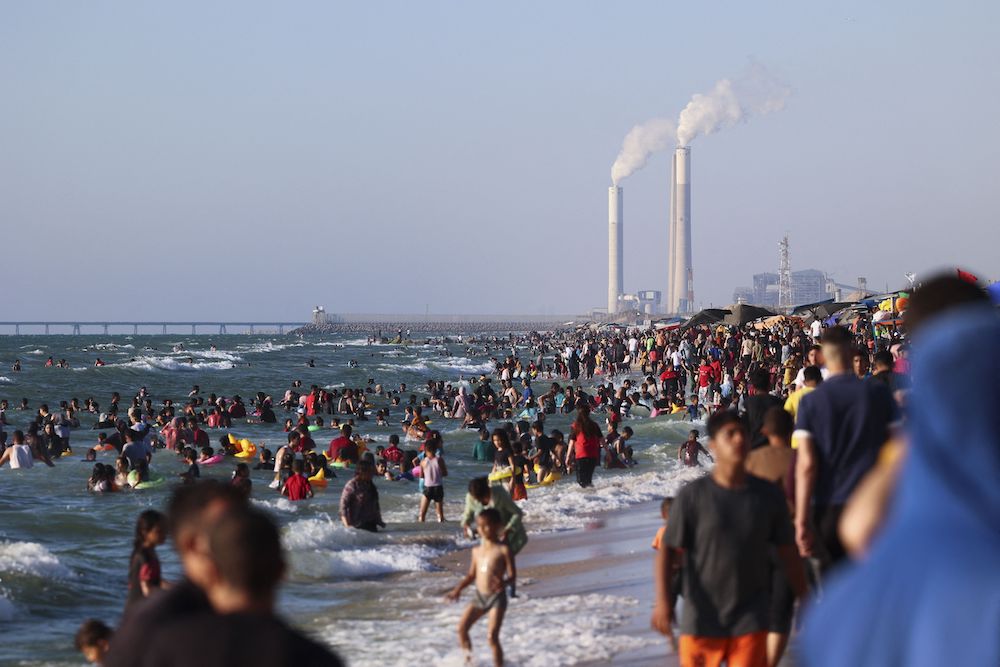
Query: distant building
320, 316
808, 286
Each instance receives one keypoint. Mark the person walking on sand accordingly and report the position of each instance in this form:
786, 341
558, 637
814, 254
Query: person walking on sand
728, 524
490, 562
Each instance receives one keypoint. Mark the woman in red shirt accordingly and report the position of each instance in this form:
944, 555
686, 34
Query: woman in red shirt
585, 436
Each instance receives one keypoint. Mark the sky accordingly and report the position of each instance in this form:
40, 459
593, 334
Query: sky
248, 160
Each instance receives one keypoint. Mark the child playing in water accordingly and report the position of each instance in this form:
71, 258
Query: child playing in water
193, 473
92, 640
491, 560
144, 564
690, 449
434, 471
297, 486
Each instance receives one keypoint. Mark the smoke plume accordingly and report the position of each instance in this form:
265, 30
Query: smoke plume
731, 101
642, 141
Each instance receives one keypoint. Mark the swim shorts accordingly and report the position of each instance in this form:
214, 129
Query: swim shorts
488, 602
434, 493
748, 650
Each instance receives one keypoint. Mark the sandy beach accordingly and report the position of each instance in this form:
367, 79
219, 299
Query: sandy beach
610, 556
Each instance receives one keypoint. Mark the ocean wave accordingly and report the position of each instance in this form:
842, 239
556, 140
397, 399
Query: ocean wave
4, 379
268, 346
577, 628
566, 505
30, 559
36, 351
150, 363
108, 347
279, 504
321, 547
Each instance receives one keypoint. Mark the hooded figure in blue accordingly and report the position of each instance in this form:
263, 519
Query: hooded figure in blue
928, 593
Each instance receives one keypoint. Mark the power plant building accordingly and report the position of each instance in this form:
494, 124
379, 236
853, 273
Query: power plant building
680, 278
616, 265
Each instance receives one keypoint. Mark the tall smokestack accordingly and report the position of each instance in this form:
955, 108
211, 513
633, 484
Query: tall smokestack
680, 281
616, 266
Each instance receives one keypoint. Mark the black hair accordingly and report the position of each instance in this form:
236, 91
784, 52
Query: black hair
720, 420
188, 502
246, 547
779, 422
491, 515
147, 521
666, 503
812, 374
479, 487
91, 633
940, 294
884, 358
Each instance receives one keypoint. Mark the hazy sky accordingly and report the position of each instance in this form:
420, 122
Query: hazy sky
250, 159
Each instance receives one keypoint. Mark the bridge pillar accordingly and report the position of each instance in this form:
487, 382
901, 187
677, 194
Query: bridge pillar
194, 329
222, 329
281, 329
17, 329
105, 329
135, 329
46, 329
76, 329
251, 329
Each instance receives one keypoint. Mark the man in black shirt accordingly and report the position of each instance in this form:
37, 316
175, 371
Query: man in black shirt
727, 525
241, 583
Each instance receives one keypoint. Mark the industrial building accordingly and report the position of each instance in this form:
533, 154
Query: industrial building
807, 286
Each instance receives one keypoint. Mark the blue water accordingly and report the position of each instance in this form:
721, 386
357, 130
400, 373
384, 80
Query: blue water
64, 552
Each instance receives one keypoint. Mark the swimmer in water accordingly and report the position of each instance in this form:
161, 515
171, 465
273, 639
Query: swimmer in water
491, 561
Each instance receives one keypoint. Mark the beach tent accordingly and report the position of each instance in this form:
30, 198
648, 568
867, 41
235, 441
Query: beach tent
778, 320
707, 316
742, 314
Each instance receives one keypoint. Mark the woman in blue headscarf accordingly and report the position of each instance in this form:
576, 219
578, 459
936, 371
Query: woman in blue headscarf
928, 592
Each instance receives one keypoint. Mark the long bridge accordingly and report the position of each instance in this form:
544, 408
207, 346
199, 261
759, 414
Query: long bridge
76, 327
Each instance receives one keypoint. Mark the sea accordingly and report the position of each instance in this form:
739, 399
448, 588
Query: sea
375, 598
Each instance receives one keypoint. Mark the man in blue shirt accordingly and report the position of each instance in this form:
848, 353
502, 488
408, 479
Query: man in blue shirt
840, 427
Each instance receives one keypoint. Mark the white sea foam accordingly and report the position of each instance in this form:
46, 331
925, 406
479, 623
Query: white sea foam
5, 379
565, 504
163, 363
279, 505
323, 548
108, 347
35, 351
577, 629
30, 559
224, 355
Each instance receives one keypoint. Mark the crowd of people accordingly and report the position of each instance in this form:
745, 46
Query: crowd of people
802, 424
870, 499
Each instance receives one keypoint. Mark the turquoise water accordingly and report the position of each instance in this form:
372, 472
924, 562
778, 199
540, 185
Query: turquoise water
64, 552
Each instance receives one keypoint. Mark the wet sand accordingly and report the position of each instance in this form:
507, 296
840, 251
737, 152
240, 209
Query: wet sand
611, 555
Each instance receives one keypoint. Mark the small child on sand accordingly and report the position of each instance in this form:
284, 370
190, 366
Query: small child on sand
675, 576
491, 561
92, 640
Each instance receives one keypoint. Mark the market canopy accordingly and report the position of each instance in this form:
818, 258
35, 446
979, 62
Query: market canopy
707, 316
743, 314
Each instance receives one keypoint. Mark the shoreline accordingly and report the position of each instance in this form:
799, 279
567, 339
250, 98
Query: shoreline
610, 555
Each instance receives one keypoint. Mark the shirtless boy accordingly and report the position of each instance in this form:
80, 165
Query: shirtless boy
491, 560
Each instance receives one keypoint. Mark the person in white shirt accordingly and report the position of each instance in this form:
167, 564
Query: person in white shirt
18, 454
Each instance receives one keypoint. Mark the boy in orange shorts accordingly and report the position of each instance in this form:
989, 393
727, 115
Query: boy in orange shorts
727, 525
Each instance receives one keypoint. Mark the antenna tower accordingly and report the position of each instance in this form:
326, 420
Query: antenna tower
784, 275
